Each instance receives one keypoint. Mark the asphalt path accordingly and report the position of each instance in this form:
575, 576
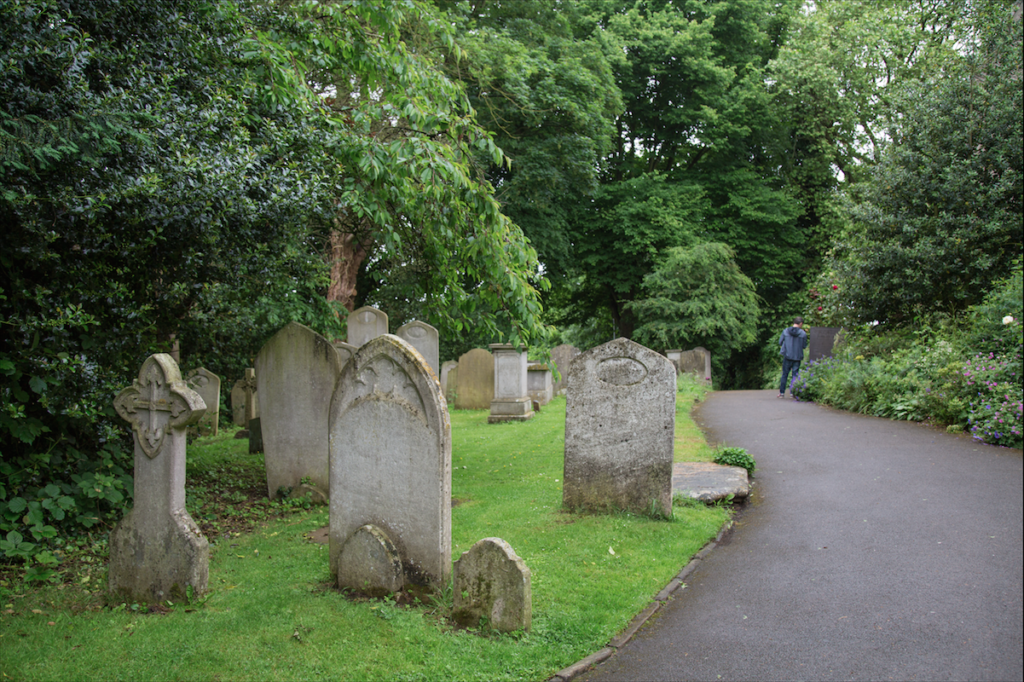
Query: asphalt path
871, 550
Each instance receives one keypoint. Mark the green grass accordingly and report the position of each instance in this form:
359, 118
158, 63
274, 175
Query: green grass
272, 613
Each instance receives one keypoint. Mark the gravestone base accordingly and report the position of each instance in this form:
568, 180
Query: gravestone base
510, 411
153, 560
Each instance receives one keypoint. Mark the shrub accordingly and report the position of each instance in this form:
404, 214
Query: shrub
735, 457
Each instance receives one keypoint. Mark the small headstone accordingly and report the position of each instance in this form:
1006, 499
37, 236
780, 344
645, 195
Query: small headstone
345, 351
207, 384
296, 371
424, 339
511, 400
370, 563
446, 369
673, 356
366, 324
561, 356
391, 454
821, 340
538, 383
451, 389
238, 404
619, 430
696, 362
255, 435
157, 551
492, 583
475, 388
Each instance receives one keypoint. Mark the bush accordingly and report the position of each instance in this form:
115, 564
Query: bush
736, 457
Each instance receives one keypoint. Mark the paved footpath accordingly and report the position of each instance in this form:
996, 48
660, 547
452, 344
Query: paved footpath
871, 550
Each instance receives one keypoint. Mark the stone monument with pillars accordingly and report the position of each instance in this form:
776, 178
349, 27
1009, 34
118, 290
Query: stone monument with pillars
511, 398
157, 551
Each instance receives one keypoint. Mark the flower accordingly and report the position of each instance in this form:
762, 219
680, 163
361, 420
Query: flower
835, 286
1008, 319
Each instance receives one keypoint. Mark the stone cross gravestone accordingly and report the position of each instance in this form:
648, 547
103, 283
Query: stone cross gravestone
391, 467
475, 387
511, 398
492, 582
207, 384
561, 356
424, 339
296, 372
157, 551
538, 383
252, 404
619, 430
820, 342
366, 324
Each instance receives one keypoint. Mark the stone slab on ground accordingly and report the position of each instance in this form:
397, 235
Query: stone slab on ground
709, 482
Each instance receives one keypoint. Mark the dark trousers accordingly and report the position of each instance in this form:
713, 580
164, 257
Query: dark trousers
787, 367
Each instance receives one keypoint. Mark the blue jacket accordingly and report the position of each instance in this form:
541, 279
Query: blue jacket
793, 340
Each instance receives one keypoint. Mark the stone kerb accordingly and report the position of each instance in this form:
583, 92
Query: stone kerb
157, 552
492, 582
511, 396
390, 444
296, 372
207, 384
475, 386
538, 383
366, 324
561, 356
619, 430
424, 339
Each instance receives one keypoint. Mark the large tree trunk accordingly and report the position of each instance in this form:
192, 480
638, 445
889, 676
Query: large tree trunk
347, 254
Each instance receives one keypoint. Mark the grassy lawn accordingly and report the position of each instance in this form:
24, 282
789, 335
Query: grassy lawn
272, 613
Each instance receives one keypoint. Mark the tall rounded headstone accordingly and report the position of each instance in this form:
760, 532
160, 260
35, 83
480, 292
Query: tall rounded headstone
424, 339
391, 455
475, 381
366, 324
620, 430
296, 372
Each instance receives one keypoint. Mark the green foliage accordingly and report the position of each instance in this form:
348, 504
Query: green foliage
735, 457
697, 297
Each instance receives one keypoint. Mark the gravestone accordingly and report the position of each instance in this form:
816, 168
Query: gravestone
345, 351
538, 383
673, 356
475, 387
366, 324
157, 551
207, 384
821, 341
238, 404
252, 403
296, 372
370, 563
255, 432
391, 463
423, 338
446, 376
511, 400
492, 582
561, 356
619, 430
696, 362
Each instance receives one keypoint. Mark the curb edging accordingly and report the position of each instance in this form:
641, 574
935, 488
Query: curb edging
620, 640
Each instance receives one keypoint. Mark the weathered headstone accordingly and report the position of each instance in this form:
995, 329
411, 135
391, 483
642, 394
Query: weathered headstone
696, 362
391, 453
538, 383
492, 582
821, 341
423, 338
238, 404
674, 357
446, 374
296, 372
345, 351
511, 400
157, 551
619, 430
475, 387
366, 324
561, 356
207, 384
370, 563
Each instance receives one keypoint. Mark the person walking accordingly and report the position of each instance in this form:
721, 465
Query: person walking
792, 342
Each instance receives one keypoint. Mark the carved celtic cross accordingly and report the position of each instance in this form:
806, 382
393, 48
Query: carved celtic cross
157, 401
